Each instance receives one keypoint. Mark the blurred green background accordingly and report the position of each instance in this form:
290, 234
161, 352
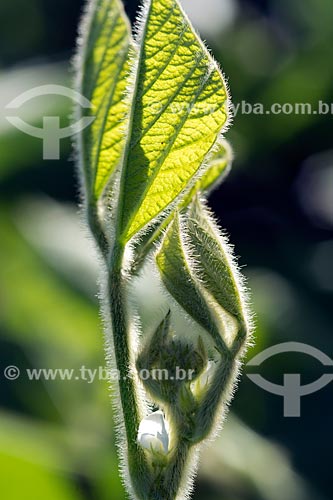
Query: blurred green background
57, 437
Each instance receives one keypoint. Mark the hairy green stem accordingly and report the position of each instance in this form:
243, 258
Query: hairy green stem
146, 484
167, 484
96, 228
138, 467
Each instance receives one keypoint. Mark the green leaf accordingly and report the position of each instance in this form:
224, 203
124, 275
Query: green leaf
107, 41
179, 108
197, 268
215, 264
218, 168
173, 262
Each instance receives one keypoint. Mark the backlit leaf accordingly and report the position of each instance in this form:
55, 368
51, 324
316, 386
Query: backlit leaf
180, 281
106, 39
179, 108
218, 168
217, 268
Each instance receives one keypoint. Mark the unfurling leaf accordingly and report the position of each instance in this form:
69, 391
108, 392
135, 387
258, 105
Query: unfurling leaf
218, 167
198, 270
175, 268
216, 266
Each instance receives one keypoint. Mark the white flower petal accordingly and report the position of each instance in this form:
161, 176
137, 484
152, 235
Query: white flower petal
153, 433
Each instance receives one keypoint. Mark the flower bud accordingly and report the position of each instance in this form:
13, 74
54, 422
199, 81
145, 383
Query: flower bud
200, 385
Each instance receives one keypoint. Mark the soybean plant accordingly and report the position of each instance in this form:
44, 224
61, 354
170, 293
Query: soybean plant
146, 165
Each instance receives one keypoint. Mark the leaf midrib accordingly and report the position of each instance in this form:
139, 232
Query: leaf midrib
164, 157
123, 163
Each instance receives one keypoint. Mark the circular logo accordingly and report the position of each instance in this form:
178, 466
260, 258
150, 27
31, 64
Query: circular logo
12, 372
